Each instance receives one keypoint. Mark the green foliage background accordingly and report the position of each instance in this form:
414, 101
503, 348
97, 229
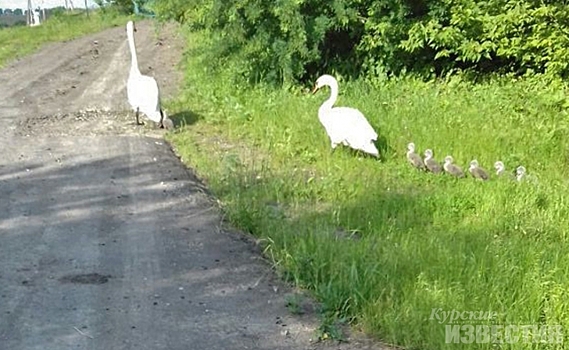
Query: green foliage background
291, 40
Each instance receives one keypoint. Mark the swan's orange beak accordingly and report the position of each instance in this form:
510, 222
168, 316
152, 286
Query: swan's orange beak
315, 89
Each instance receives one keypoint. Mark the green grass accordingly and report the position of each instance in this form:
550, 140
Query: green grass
20, 41
423, 241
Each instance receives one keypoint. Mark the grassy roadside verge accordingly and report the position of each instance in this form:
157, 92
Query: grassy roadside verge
379, 244
20, 41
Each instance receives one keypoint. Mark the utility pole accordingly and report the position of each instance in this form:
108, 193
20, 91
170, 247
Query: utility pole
29, 17
86, 8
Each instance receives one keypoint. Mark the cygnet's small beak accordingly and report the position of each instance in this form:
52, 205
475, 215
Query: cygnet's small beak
315, 89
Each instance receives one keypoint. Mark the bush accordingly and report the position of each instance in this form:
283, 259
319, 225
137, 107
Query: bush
120, 7
505, 35
190, 12
282, 42
291, 40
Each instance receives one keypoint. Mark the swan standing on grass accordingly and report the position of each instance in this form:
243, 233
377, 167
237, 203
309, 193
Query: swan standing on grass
344, 125
413, 158
500, 168
477, 172
431, 163
451, 168
520, 173
143, 93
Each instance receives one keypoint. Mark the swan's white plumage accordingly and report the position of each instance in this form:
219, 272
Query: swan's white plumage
344, 125
142, 91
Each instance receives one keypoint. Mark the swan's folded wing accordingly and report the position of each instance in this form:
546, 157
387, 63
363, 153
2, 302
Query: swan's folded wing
150, 97
355, 123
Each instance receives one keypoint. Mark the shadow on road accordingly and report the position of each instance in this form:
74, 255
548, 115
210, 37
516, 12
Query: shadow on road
125, 214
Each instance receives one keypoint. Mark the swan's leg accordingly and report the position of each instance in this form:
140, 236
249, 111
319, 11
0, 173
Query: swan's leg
161, 124
137, 118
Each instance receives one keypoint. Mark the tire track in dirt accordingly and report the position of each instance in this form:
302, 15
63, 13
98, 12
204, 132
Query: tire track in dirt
103, 90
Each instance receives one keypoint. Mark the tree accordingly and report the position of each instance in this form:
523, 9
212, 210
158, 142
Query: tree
123, 6
290, 40
18, 12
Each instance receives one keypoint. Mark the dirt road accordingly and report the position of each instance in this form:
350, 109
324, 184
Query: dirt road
106, 240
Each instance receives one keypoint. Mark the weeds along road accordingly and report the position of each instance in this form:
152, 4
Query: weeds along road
106, 240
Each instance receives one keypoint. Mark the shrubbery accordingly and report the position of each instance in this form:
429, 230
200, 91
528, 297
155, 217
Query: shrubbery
124, 7
289, 40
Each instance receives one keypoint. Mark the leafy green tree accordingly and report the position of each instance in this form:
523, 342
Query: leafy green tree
289, 40
122, 6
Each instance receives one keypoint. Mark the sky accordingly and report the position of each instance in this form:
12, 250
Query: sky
23, 4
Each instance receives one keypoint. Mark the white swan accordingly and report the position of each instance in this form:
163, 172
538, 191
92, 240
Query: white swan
500, 168
344, 125
143, 93
520, 173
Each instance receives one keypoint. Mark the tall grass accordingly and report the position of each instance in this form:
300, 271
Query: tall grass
378, 243
19, 41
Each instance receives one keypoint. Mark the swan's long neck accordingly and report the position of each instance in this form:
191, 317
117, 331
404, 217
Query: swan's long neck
133, 59
329, 103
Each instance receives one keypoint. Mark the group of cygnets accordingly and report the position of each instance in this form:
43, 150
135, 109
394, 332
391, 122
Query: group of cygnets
430, 164
349, 127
